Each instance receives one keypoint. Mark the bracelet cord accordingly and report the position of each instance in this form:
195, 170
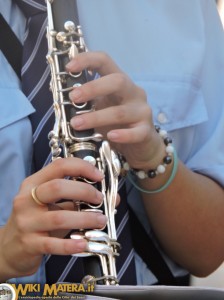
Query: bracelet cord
132, 178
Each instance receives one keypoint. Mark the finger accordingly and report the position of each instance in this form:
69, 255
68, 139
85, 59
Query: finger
98, 61
115, 83
60, 168
57, 189
140, 134
56, 220
118, 200
127, 115
65, 205
57, 246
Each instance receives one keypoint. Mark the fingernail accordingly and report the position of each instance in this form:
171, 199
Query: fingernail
68, 66
77, 122
71, 65
112, 136
99, 173
75, 95
102, 220
99, 196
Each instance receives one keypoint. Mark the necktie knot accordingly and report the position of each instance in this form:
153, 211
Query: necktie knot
31, 7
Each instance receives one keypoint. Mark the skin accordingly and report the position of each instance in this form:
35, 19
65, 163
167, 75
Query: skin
187, 217
28, 233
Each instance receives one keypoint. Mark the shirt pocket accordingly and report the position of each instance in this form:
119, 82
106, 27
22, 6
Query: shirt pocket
177, 103
13, 106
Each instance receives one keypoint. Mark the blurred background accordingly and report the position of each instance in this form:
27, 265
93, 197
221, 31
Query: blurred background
217, 278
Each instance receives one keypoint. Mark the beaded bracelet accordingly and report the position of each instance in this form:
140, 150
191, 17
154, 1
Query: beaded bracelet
161, 168
162, 188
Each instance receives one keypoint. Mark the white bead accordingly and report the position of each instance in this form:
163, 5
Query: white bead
161, 169
163, 133
141, 174
169, 149
126, 166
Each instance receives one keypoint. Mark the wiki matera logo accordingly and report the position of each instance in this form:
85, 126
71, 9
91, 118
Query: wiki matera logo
7, 292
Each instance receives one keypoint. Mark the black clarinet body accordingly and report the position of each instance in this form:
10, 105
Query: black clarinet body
65, 41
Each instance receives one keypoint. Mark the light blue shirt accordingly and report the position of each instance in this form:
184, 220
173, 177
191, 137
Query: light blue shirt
174, 50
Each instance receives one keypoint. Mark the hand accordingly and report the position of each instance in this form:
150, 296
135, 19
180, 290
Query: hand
122, 113
27, 234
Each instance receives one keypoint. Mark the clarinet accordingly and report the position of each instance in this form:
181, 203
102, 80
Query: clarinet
65, 41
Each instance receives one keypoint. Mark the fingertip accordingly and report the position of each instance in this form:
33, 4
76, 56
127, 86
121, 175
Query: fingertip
72, 65
68, 67
101, 220
113, 136
81, 245
99, 173
99, 197
76, 244
118, 200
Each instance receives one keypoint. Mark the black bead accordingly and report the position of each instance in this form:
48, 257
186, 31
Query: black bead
151, 173
167, 141
157, 128
167, 159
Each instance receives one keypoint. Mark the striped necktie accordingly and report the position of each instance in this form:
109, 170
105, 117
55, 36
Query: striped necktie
35, 85
36, 77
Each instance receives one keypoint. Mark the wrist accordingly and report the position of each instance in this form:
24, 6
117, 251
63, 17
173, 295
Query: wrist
159, 183
159, 163
158, 178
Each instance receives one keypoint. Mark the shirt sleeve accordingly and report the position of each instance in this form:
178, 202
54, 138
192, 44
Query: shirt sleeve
188, 102
15, 146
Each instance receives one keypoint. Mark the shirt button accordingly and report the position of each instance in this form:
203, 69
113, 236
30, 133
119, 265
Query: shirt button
162, 118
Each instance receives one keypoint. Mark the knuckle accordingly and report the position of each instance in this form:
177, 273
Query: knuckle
119, 113
147, 112
104, 56
55, 187
57, 219
25, 242
120, 80
18, 200
58, 163
21, 223
59, 166
141, 93
25, 184
47, 246
144, 111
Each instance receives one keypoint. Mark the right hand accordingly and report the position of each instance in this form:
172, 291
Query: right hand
28, 232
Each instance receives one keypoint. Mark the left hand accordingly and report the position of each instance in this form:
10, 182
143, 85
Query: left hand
122, 114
